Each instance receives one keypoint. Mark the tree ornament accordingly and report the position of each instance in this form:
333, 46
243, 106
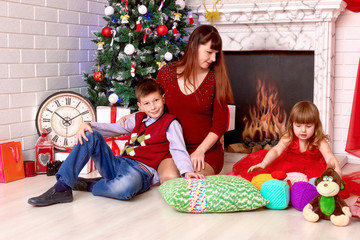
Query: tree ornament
162, 30
181, 4
129, 49
147, 31
168, 56
100, 46
138, 24
174, 29
161, 5
113, 33
106, 32
177, 16
124, 19
212, 15
113, 98
132, 71
99, 76
161, 64
109, 10
191, 19
142, 9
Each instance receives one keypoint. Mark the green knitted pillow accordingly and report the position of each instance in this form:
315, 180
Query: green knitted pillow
219, 193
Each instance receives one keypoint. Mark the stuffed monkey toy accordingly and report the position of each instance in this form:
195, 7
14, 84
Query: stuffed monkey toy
328, 205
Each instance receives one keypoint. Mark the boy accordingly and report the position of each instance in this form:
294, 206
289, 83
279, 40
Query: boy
154, 135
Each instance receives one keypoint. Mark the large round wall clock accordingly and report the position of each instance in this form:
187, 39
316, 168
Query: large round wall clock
61, 115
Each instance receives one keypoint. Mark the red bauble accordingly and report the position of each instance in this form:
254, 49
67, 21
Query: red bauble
162, 30
106, 32
99, 76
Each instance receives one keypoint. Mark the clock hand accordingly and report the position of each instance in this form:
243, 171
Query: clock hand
78, 115
62, 117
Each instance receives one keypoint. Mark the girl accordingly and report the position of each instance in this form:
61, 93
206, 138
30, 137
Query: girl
303, 148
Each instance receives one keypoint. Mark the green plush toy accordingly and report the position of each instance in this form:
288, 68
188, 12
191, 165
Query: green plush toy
219, 193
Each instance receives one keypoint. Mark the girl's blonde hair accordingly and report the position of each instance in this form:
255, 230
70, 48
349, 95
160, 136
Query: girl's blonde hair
189, 61
306, 112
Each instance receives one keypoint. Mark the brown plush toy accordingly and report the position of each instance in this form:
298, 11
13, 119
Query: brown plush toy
328, 205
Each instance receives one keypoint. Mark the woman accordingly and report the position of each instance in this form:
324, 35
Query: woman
197, 91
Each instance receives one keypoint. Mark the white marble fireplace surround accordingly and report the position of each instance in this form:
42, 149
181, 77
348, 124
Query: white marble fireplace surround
284, 25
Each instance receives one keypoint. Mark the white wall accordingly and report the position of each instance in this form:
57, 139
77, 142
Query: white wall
347, 56
44, 47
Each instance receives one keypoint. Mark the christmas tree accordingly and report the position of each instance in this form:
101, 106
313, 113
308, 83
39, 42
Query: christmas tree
140, 38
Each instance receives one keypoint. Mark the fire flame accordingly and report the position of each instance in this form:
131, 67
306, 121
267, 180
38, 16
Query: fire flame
267, 118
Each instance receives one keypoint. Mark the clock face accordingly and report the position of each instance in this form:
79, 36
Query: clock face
61, 115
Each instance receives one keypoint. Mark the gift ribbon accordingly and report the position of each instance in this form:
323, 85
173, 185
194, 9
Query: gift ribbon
114, 147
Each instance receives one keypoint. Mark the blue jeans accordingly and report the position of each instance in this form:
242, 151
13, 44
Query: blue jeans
123, 178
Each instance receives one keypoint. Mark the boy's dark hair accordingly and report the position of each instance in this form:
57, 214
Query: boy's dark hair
147, 86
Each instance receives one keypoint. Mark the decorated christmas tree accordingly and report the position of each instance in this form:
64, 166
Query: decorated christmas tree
141, 36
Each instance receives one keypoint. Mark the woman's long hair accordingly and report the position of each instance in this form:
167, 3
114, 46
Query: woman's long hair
189, 62
306, 112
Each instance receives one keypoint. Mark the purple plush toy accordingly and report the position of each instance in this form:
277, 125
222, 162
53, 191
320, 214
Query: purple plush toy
301, 194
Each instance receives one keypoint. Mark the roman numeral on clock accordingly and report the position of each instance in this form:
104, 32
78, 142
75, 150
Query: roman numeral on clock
68, 101
55, 138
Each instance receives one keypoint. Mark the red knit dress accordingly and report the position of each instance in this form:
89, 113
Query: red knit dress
199, 113
310, 162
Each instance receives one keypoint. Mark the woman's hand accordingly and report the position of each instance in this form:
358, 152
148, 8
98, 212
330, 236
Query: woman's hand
198, 160
81, 133
189, 175
257, 167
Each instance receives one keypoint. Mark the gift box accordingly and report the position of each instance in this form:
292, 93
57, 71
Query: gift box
11, 162
110, 114
89, 167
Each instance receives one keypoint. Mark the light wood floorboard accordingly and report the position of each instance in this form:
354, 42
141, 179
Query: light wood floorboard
147, 216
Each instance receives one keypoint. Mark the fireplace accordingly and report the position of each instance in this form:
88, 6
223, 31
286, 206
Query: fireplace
292, 25
266, 84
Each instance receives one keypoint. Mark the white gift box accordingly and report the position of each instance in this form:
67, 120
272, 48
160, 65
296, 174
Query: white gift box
103, 113
89, 167
232, 111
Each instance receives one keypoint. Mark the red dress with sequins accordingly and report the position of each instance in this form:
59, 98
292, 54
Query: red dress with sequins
310, 162
199, 113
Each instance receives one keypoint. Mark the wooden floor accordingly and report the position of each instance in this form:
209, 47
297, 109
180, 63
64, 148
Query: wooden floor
147, 216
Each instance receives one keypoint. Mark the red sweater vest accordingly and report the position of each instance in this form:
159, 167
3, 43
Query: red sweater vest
149, 145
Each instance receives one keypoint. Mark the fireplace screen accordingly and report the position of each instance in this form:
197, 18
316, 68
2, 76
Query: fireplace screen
266, 84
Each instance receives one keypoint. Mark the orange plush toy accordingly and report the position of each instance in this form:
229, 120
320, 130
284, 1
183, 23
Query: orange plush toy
328, 205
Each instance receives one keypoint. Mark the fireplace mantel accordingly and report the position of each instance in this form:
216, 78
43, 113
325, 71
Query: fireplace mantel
291, 25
